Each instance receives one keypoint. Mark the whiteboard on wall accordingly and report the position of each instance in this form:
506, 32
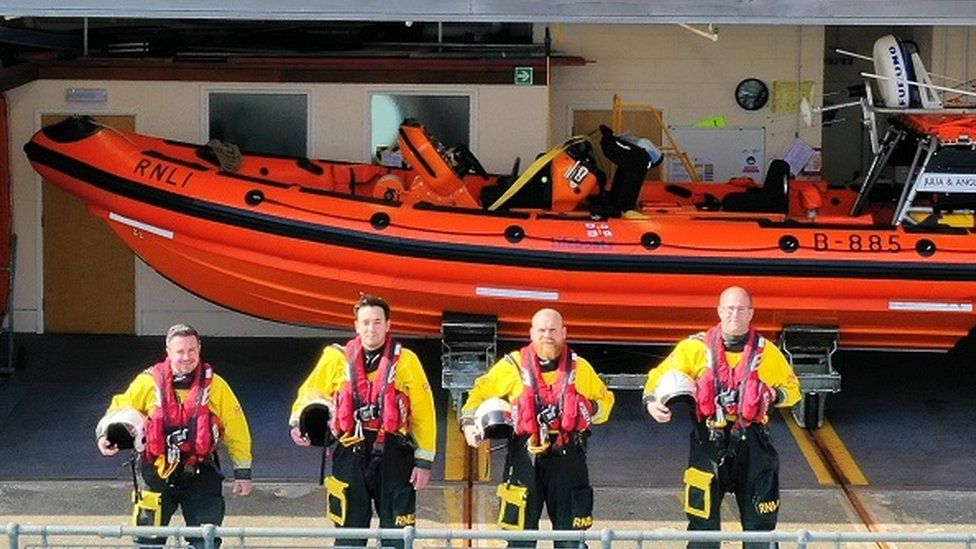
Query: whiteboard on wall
719, 154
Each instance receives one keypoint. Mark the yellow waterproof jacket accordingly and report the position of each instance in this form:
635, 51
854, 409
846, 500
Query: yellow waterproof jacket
504, 380
141, 395
690, 356
329, 375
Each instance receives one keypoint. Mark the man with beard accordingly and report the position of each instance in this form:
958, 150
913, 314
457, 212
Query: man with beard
738, 377
382, 412
555, 396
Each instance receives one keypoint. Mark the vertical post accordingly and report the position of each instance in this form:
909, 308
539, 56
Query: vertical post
409, 533
209, 533
13, 533
606, 539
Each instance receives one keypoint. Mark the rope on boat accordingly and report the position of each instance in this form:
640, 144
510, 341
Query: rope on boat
228, 154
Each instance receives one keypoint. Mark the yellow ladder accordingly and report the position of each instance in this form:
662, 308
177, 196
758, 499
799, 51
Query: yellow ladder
671, 147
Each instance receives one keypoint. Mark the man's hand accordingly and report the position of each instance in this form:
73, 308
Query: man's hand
419, 478
242, 486
472, 436
107, 448
659, 412
298, 438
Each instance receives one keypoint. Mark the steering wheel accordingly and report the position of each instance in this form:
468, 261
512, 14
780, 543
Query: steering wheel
468, 162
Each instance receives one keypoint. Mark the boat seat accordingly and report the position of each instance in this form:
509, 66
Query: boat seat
771, 197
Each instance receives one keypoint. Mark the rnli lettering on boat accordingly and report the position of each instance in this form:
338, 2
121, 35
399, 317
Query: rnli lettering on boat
856, 242
160, 172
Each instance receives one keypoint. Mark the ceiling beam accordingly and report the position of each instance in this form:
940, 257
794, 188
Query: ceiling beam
776, 12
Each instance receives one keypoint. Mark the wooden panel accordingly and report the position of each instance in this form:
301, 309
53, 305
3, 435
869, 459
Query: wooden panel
639, 123
89, 275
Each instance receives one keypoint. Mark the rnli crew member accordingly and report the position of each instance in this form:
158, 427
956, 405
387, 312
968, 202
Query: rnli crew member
188, 408
556, 396
739, 376
384, 421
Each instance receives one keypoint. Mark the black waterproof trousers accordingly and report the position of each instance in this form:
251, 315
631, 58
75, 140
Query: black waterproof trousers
741, 462
197, 493
557, 479
372, 480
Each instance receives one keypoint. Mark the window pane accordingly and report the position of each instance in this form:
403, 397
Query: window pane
269, 123
446, 117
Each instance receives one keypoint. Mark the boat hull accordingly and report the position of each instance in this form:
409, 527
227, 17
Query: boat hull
283, 252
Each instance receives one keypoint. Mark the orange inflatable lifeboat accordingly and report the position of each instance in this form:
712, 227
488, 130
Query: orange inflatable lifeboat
296, 239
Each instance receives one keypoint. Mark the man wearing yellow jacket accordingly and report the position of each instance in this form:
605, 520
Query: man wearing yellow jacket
382, 412
187, 408
556, 396
736, 377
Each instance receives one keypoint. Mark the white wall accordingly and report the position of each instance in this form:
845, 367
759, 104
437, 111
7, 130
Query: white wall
509, 121
686, 76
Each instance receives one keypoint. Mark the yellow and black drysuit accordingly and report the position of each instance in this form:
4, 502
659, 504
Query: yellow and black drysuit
192, 482
546, 463
378, 445
738, 380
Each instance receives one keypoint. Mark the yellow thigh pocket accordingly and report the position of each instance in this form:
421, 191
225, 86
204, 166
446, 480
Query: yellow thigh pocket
698, 493
511, 513
335, 500
147, 509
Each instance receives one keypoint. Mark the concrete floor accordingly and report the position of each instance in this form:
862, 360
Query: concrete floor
905, 418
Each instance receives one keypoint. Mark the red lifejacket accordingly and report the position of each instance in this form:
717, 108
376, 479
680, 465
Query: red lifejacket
573, 411
385, 408
753, 395
193, 427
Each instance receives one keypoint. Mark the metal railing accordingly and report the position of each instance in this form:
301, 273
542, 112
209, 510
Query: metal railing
246, 537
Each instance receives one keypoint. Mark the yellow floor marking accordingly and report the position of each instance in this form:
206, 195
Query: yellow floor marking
816, 461
454, 448
842, 458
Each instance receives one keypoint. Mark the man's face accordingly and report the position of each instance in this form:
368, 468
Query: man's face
548, 334
735, 312
372, 327
183, 353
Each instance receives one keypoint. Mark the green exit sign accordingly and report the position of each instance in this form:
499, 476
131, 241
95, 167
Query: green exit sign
523, 76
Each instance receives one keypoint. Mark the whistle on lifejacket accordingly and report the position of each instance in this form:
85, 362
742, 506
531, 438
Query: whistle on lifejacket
539, 443
353, 438
718, 421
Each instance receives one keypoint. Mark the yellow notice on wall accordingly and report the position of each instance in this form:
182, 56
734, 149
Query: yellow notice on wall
787, 95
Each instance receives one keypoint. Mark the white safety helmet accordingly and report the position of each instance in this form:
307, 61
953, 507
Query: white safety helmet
123, 427
313, 421
493, 418
675, 387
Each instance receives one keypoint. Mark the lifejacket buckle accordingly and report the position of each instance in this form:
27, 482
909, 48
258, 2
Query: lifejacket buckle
547, 415
366, 412
727, 398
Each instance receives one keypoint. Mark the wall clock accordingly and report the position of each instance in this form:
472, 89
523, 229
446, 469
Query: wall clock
751, 94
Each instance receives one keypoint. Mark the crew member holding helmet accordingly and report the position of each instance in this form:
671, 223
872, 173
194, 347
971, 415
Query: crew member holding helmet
172, 415
373, 395
738, 377
554, 397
